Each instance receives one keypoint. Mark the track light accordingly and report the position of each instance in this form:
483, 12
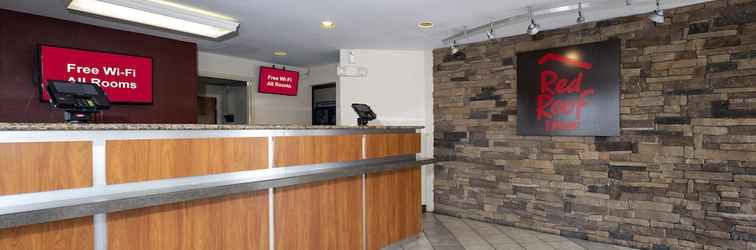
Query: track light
490, 34
581, 18
658, 15
533, 28
454, 48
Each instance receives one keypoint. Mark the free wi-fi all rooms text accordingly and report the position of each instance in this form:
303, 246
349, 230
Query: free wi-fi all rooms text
92, 74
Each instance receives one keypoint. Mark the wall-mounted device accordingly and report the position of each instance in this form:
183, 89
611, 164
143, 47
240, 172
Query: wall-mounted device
364, 112
349, 70
78, 100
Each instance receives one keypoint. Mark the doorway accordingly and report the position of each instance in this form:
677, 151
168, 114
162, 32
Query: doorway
207, 110
222, 101
324, 104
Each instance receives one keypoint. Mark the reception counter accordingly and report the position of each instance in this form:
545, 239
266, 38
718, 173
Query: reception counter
145, 186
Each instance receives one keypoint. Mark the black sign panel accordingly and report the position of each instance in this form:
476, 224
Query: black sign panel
569, 91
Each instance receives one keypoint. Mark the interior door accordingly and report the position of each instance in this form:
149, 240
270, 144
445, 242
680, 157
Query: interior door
207, 110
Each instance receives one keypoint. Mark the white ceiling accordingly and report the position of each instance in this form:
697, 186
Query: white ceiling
293, 25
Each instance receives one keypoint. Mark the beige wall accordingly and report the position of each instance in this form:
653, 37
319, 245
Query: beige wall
266, 108
399, 88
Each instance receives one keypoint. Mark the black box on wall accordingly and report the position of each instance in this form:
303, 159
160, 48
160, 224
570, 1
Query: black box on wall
569, 91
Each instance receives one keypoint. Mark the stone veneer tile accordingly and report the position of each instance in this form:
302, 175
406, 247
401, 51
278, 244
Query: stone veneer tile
682, 168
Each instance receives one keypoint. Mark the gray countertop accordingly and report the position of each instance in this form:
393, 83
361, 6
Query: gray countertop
125, 126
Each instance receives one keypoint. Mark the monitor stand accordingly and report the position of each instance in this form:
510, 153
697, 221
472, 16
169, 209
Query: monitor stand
362, 122
77, 117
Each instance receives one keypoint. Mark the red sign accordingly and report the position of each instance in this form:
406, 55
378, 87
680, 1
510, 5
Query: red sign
569, 91
278, 81
124, 78
550, 106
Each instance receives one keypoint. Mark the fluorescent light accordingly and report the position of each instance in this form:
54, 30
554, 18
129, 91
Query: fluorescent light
160, 14
280, 53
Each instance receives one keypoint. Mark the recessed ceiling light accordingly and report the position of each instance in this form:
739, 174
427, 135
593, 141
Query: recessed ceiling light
425, 25
327, 25
280, 53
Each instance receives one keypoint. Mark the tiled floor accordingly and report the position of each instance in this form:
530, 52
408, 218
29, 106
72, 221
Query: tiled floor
447, 233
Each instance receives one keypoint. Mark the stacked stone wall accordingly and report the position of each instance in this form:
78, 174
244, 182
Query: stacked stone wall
682, 174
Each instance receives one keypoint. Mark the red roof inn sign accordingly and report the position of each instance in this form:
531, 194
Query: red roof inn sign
569, 91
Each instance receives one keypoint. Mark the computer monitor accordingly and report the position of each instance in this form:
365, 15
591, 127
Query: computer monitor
364, 112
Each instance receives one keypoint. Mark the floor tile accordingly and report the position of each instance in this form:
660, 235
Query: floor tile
449, 248
507, 247
551, 237
538, 246
483, 246
443, 232
565, 245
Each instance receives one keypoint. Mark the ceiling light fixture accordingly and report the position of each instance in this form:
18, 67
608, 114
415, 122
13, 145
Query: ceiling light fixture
327, 25
161, 14
658, 15
490, 34
425, 25
280, 53
581, 18
533, 28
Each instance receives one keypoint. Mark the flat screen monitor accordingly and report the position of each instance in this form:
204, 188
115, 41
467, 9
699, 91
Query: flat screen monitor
278, 81
124, 78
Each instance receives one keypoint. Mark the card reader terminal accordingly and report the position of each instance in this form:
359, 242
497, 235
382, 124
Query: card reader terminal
78, 100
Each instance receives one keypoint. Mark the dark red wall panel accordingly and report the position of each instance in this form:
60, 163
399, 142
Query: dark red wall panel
174, 72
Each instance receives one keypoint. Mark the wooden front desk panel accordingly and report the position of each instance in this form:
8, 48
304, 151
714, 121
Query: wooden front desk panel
392, 198
393, 206
322, 215
385, 145
144, 160
65, 235
298, 150
46, 166
234, 222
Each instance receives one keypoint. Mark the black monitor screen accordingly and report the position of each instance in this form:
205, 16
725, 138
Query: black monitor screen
74, 88
362, 108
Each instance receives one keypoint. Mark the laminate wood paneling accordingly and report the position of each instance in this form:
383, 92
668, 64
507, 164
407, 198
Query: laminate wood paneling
393, 206
298, 150
323, 215
142, 160
65, 235
44, 166
233, 222
384, 145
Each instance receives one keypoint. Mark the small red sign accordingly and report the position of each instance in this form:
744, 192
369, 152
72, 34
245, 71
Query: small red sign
278, 81
124, 78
